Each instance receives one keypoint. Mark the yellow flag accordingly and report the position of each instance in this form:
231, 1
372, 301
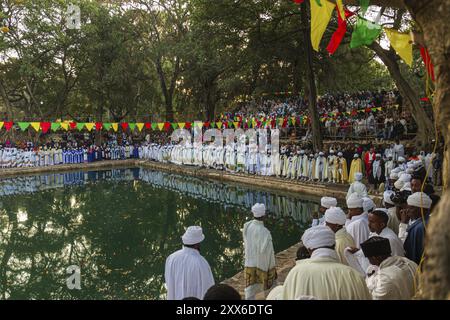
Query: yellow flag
320, 16
36, 125
140, 126
89, 125
219, 124
160, 126
1, 124
181, 125
115, 126
402, 44
65, 125
341, 9
200, 124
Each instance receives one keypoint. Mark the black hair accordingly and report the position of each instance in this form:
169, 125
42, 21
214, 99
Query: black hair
302, 253
381, 214
190, 298
222, 291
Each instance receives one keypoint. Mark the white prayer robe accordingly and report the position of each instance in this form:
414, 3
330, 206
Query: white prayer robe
325, 278
394, 279
357, 187
394, 241
393, 222
358, 228
343, 240
260, 270
187, 274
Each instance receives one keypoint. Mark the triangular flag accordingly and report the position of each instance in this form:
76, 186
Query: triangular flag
1, 124
90, 126
341, 10
427, 60
199, 124
148, 125
154, 125
23, 125
73, 125
364, 33
124, 126
402, 44
207, 124
181, 125
98, 126
219, 125
160, 126
36, 125
320, 16
56, 126
188, 125
132, 126
140, 126
236, 124
65, 125
213, 124
8, 125
174, 125
115, 126
45, 126
166, 126
107, 126
339, 34
80, 126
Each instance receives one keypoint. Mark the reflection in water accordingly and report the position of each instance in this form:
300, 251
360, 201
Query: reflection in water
120, 225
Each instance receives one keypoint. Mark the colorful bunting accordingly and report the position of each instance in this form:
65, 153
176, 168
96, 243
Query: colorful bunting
402, 44
107, 126
72, 125
115, 126
166, 126
124, 126
1, 124
80, 126
148, 125
339, 34
174, 125
98, 126
90, 126
8, 125
428, 64
23, 125
132, 126
181, 125
160, 126
364, 33
219, 124
65, 125
36, 126
188, 125
140, 126
55, 126
320, 16
45, 126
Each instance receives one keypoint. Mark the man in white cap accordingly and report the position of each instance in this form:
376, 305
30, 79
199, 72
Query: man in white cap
401, 163
332, 165
342, 171
368, 204
321, 168
376, 172
259, 270
335, 219
322, 276
357, 186
325, 203
394, 276
358, 226
419, 204
378, 220
356, 166
187, 273
393, 221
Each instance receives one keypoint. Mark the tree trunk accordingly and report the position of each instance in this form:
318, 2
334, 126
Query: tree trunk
411, 99
433, 17
8, 106
312, 96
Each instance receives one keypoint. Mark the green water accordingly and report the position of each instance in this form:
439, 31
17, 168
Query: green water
119, 226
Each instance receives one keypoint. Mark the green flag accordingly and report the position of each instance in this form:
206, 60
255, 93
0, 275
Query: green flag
364, 33
154, 125
174, 125
364, 4
55, 126
23, 125
106, 126
80, 126
212, 124
132, 126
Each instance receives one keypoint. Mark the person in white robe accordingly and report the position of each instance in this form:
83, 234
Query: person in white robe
357, 186
187, 273
322, 276
325, 204
335, 219
332, 166
378, 220
259, 270
393, 277
358, 224
320, 172
393, 222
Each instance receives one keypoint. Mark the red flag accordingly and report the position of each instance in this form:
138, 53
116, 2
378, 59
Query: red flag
166, 126
299, 1
188, 125
148, 125
427, 60
273, 123
124, 126
425, 99
339, 34
73, 125
8, 125
206, 124
98, 126
45, 126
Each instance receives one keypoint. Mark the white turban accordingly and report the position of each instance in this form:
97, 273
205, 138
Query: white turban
393, 175
340, 154
358, 176
387, 197
410, 165
378, 155
410, 170
335, 215
354, 201
259, 210
396, 170
356, 155
401, 159
328, 202
193, 235
420, 200
406, 186
318, 237
320, 153
399, 184
405, 177
368, 204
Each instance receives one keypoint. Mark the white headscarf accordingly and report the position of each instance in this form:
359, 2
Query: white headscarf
420, 200
358, 176
328, 202
354, 201
335, 215
387, 196
259, 210
368, 204
193, 235
318, 237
